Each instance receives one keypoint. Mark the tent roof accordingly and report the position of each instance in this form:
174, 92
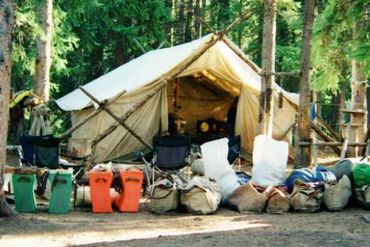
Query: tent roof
153, 65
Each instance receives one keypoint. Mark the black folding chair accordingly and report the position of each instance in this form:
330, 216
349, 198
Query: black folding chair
40, 151
169, 155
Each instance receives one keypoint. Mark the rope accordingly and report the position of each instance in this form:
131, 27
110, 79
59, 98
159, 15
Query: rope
40, 122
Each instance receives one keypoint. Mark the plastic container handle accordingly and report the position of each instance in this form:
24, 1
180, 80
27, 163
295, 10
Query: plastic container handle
60, 181
26, 179
132, 180
97, 180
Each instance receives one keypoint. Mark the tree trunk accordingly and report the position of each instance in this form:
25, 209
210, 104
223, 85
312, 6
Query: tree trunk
188, 20
119, 57
43, 44
181, 24
6, 37
173, 18
342, 105
317, 101
303, 154
358, 102
268, 66
198, 23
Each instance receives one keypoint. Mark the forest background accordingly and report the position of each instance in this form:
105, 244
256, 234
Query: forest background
90, 38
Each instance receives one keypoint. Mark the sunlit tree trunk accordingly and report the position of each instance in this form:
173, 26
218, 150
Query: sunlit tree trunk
358, 102
181, 23
6, 34
268, 66
303, 154
197, 26
188, 20
43, 43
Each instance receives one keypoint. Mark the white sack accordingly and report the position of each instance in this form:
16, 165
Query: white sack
270, 159
216, 166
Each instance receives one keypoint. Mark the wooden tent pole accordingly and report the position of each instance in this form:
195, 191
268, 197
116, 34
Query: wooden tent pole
90, 116
124, 117
303, 154
107, 110
332, 132
242, 56
287, 131
245, 15
329, 144
325, 137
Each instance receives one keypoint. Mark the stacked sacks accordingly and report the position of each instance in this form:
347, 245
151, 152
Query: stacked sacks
310, 175
336, 196
216, 166
268, 172
249, 198
361, 179
278, 201
306, 197
164, 195
201, 195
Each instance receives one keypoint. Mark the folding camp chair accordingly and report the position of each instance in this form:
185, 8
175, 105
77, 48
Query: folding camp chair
40, 151
169, 155
43, 151
233, 155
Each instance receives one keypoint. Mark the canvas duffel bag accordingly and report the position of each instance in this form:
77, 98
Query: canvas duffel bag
164, 196
247, 198
336, 196
306, 197
201, 196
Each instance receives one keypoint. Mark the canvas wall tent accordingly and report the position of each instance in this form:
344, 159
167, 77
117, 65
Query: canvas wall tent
207, 87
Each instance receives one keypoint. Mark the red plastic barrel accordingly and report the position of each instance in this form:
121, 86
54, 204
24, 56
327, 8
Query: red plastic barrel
100, 183
129, 200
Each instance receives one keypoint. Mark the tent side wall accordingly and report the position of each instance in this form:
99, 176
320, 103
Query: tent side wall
149, 120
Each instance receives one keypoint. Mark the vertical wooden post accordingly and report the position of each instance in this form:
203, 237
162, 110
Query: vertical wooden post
303, 154
268, 67
6, 36
358, 102
43, 43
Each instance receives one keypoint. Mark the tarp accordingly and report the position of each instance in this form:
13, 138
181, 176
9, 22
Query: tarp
207, 87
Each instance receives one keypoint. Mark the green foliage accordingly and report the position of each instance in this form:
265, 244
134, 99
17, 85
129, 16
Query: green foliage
93, 37
341, 34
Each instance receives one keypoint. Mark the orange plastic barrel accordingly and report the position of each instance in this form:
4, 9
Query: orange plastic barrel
99, 191
129, 200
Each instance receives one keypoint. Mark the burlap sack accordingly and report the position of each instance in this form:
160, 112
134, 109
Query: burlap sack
336, 196
247, 198
278, 202
201, 196
362, 196
306, 198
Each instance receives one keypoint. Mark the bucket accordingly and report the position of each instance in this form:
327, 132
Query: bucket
61, 188
100, 183
129, 200
24, 195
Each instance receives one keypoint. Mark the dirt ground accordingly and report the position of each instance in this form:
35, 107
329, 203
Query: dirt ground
224, 228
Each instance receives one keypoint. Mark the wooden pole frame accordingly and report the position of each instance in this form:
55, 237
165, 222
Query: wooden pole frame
114, 116
90, 116
124, 117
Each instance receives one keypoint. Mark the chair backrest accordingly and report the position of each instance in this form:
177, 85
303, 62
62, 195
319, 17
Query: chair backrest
234, 148
171, 151
41, 151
